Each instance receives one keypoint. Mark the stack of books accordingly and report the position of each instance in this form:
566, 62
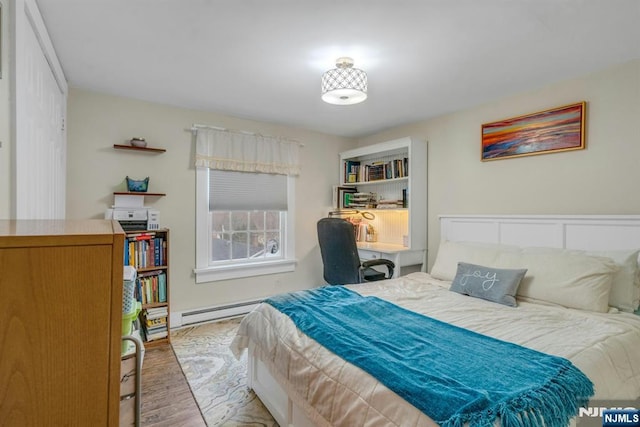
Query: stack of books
363, 200
389, 204
155, 323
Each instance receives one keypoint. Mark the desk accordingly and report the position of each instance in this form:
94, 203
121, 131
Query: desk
400, 255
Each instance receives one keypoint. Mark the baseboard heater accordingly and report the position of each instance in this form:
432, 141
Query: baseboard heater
218, 313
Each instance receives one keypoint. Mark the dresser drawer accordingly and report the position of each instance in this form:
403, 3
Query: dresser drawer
366, 254
127, 376
128, 412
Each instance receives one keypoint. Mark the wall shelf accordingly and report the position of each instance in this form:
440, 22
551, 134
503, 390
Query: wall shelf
375, 182
131, 147
134, 193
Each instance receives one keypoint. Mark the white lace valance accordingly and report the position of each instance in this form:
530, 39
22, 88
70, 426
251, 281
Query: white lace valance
236, 151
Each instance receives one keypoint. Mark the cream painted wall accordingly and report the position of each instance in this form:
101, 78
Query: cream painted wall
96, 170
602, 179
5, 115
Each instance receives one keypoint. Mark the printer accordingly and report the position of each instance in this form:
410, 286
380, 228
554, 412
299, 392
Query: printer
135, 218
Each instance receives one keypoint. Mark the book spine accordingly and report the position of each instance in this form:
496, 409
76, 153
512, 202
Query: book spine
156, 251
162, 279
138, 291
132, 254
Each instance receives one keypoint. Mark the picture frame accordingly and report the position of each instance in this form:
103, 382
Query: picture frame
341, 196
549, 131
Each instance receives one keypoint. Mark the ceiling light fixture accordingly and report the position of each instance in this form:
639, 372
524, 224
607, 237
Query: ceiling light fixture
344, 85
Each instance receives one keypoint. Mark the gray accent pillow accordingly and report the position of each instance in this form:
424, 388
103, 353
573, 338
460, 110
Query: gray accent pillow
493, 284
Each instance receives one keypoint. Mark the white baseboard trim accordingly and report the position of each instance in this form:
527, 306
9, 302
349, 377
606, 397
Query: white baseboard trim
208, 314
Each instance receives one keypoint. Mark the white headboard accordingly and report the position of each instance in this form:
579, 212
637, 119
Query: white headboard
586, 232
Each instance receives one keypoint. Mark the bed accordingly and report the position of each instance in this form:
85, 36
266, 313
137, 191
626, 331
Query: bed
303, 383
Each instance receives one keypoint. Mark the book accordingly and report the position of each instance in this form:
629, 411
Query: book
154, 310
157, 246
376, 172
126, 252
156, 322
162, 287
141, 236
156, 328
148, 317
155, 315
157, 335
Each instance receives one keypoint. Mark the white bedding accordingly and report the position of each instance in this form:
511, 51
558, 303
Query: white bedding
605, 346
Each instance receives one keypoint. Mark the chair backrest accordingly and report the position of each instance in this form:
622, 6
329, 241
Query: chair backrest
339, 251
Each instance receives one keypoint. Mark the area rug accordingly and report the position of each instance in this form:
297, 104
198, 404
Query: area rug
218, 381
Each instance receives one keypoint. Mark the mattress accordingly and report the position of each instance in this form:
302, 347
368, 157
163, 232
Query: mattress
605, 346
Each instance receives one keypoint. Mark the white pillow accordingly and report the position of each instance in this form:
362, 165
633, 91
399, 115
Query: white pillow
625, 289
451, 253
563, 277
625, 286
558, 276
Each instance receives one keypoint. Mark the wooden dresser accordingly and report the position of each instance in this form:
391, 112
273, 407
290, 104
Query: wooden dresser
60, 322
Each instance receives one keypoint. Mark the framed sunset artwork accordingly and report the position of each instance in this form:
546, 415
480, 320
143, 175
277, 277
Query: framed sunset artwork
548, 131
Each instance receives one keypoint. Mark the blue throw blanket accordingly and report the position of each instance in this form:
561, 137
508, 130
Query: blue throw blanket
451, 374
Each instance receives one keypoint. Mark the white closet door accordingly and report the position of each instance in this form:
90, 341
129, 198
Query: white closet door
41, 99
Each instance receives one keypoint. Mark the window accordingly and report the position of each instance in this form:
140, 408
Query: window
247, 228
246, 235
244, 203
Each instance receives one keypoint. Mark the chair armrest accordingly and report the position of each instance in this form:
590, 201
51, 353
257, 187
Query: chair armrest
388, 263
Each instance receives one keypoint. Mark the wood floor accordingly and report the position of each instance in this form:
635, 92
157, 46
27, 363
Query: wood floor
166, 396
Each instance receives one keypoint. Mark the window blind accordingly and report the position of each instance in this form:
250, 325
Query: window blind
230, 190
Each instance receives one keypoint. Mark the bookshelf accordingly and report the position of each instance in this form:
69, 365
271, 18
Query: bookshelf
389, 179
148, 252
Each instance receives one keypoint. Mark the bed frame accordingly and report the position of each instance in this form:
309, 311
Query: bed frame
586, 232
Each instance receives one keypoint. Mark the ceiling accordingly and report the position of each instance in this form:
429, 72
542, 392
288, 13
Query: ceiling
263, 59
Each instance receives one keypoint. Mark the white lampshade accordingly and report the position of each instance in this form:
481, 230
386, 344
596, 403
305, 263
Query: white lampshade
344, 85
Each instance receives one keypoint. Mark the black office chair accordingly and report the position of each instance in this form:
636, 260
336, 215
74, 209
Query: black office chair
340, 255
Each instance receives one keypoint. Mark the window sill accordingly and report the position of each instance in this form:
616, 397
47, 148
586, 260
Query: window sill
212, 274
